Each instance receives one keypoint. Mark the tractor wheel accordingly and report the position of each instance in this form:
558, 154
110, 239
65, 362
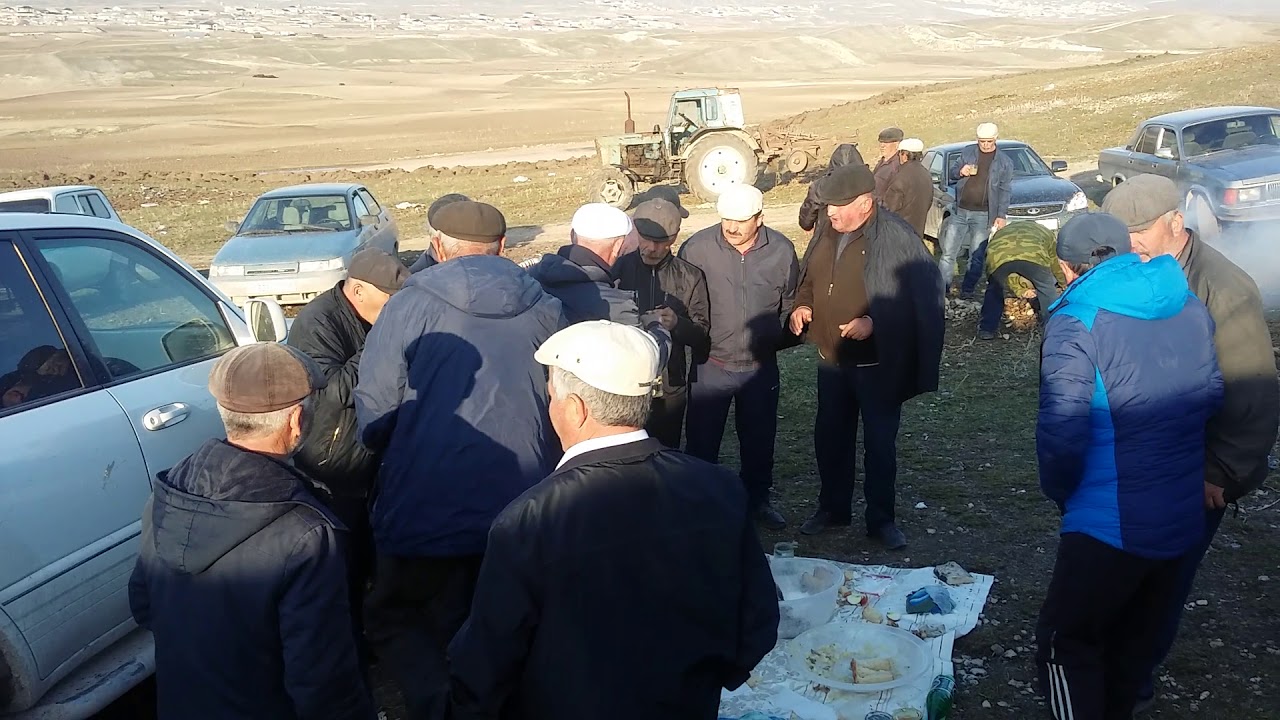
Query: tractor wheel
797, 161
718, 161
613, 187
1199, 216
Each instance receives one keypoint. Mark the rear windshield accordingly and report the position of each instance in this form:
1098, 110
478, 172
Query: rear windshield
35, 205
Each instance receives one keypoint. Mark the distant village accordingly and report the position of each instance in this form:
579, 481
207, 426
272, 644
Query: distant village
297, 20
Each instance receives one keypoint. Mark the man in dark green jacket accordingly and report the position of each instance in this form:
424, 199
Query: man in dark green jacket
1241, 435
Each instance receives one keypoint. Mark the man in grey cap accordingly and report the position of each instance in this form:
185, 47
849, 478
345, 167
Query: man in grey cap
428, 257
677, 292
1242, 434
332, 329
242, 575
889, 163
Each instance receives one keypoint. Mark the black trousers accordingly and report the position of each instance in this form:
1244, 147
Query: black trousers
415, 608
844, 394
754, 397
666, 418
1099, 626
354, 513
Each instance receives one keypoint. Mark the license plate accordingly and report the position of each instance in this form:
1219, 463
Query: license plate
261, 288
1051, 223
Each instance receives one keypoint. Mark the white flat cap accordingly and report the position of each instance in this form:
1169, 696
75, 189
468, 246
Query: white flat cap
988, 131
598, 221
913, 145
740, 202
618, 359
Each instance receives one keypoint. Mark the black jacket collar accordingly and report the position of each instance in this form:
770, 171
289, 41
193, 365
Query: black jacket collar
614, 453
583, 257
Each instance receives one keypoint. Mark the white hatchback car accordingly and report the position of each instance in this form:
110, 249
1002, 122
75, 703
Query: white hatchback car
106, 341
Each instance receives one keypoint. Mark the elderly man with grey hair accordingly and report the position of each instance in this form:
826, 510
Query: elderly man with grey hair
630, 583
428, 258
242, 574
581, 273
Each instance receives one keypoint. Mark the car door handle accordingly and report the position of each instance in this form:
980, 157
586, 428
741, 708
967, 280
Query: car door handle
166, 416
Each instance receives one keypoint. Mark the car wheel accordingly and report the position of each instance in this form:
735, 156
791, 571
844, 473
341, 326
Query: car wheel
1199, 217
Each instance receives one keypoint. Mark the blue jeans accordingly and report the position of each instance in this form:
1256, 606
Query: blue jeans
1040, 277
754, 393
965, 229
1178, 599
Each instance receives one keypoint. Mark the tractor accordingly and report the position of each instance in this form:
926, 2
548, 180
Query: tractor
705, 146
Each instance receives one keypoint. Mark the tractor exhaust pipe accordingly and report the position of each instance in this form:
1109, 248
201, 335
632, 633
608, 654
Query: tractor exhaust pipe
630, 125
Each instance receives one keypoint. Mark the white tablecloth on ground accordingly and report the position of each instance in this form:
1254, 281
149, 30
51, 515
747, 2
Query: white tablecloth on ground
780, 692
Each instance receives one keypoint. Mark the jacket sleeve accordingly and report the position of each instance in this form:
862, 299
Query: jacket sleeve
788, 301
424, 261
966, 158
1004, 186
758, 632
810, 208
380, 390
1067, 375
321, 670
930, 316
487, 655
804, 285
896, 195
694, 331
322, 344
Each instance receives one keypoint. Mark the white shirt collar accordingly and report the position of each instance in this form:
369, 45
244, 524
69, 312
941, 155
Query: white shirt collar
600, 443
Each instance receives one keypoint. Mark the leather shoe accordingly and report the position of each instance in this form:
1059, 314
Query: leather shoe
820, 522
769, 518
986, 335
891, 537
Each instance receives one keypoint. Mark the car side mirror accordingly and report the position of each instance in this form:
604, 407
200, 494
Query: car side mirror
232, 226
368, 220
195, 338
1058, 166
266, 320
1164, 153
937, 178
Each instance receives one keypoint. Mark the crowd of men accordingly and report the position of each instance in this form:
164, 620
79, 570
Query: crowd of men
470, 471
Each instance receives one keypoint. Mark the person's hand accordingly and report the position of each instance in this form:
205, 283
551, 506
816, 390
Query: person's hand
968, 171
1214, 497
800, 317
667, 317
1000, 223
1028, 294
857, 329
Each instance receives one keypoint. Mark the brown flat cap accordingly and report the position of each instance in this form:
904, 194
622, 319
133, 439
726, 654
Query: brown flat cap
470, 221
1141, 201
263, 378
378, 268
844, 184
891, 134
657, 220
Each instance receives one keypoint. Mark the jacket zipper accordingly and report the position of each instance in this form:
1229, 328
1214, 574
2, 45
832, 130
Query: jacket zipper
745, 309
333, 442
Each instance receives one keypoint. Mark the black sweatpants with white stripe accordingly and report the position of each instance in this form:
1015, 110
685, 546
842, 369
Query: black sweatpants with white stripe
1098, 628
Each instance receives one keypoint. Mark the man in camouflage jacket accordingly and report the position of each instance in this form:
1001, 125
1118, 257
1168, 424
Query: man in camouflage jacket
1021, 258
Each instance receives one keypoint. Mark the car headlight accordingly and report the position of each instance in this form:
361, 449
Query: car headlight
1078, 202
1250, 194
321, 265
226, 270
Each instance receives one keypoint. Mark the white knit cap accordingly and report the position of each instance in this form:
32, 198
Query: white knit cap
598, 221
912, 145
740, 202
988, 131
618, 359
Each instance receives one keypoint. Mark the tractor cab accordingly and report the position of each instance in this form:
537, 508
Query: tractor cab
693, 111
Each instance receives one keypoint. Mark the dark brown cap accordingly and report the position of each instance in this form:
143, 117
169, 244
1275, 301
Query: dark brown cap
843, 185
657, 220
891, 134
264, 377
378, 268
470, 221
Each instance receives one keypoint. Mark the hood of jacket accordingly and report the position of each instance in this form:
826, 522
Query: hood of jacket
571, 265
217, 498
846, 154
483, 286
1127, 286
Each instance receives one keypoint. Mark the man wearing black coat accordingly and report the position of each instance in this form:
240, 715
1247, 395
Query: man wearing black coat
677, 292
332, 329
872, 302
241, 577
630, 583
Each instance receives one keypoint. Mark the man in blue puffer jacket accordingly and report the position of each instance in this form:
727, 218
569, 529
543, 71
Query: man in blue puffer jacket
1128, 380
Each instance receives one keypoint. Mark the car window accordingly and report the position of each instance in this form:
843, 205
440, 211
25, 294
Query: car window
1026, 162
1147, 145
953, 167
933, 161
67, 204
95, 205
369, 202
34, 363
140, 312
34, 205
1168, 141
276, 216
361, 208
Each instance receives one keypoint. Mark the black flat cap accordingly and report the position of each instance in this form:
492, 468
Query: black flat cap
891, 134
471, 221
441, 202
378, 268
657, 220
844, 184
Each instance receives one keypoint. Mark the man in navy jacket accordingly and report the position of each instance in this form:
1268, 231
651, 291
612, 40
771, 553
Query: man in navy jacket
451, 396
1128, 381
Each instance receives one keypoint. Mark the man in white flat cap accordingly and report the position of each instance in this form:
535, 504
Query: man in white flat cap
984, 178
630, 583
580, 274
751, 272
910, 192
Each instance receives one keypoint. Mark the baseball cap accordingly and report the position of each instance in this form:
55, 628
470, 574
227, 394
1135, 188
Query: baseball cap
657, 220
1084, 235
599, 221
988, 131
618, 359
912, 145
891, 134
845, 184
740, 202
470, 221
378, 268
263, 378
1139, 202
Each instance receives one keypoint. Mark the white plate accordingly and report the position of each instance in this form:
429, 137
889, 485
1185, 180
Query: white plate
860, 640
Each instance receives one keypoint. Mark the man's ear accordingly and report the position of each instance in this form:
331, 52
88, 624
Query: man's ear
577, 410
502, 245
1177, 223
438, 247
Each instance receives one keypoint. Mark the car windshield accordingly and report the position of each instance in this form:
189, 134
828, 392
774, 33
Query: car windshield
1231, 134
316, 213
1025, 162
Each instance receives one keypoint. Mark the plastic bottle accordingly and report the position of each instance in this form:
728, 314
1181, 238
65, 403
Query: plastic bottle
938, 702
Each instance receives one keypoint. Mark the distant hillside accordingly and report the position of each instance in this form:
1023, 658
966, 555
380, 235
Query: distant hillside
1063, 113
